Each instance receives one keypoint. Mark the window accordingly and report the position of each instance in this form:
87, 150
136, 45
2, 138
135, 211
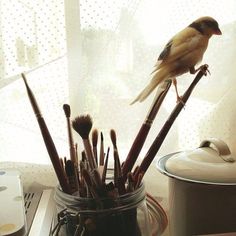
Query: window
97, 55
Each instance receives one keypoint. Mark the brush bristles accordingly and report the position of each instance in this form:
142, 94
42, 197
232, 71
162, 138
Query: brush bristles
66, 109
113, 137
82, 125
95, 137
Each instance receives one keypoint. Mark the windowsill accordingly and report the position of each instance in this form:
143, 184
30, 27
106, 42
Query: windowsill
156, 184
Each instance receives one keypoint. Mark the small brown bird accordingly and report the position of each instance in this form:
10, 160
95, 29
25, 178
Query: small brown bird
181, 54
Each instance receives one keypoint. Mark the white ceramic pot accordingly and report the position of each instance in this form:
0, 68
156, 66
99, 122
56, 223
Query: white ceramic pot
202, 189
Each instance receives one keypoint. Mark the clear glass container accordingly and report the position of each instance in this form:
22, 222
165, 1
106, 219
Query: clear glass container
124, 215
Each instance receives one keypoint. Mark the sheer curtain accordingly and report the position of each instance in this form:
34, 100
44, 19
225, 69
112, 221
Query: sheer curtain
97, 55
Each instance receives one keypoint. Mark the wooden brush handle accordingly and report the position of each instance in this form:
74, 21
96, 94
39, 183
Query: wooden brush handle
135, 149
143, 132
105, 166
48, 141
53, 155
71, 142
89, 153
166, 127
101, 159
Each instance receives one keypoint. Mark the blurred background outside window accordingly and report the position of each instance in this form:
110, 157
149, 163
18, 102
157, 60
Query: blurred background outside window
97, 55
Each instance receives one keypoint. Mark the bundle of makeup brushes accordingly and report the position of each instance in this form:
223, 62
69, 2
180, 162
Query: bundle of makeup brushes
89, 174
87, 177
85, 174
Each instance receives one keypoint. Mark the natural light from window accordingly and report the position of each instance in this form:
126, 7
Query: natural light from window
118, 44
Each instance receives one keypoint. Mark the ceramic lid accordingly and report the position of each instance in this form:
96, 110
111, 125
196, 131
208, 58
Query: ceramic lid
211, 162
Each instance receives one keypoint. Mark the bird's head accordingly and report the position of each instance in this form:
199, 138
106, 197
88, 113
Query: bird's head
207, 26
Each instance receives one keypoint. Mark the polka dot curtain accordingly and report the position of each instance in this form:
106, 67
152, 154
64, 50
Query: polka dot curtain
97, 55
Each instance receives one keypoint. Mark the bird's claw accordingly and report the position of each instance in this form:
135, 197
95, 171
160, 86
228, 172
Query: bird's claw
204, 69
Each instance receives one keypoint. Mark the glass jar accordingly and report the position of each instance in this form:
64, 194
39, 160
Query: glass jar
127, 215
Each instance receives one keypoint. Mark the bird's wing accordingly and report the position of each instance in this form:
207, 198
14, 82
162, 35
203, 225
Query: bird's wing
181, 44
164, 54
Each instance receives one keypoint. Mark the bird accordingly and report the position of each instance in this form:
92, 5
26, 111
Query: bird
181, 54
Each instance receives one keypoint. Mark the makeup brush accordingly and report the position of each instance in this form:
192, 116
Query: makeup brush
72, 175
62, 167
135, 170
67, 112
82, 183
48, 140
85, 161
151, 153
95, 142
76, 153
83, 156
130, 185
62, 163
143, 132
83, 125
64, 159
105, 166
89, 184
111, 190
118, 178
97, 178
139, 180
117, 167
101, 160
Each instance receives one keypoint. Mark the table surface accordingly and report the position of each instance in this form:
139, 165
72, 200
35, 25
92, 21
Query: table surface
12, 213
156, 183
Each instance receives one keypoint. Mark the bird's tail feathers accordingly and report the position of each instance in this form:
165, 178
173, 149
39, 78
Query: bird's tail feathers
155, 81
144, 94
156, 67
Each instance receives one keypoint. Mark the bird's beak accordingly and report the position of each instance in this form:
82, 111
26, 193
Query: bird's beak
218, 32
